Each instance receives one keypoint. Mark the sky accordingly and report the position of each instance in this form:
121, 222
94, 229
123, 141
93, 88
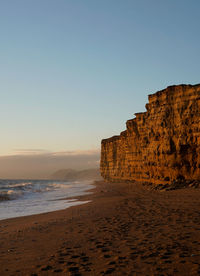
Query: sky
73, 71
44, 165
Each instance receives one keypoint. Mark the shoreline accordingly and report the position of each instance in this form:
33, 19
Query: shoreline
48, 197
125, 229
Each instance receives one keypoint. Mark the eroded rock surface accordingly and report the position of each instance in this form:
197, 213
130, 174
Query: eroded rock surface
159, 145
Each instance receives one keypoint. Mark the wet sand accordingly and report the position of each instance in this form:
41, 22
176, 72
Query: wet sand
124, 230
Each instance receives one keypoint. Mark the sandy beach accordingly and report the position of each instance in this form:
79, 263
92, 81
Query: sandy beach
125, 229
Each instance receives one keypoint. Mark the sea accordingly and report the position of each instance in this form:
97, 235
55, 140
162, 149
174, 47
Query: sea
27, 197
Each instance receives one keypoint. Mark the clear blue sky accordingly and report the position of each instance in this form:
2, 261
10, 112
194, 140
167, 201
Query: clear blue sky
73, 71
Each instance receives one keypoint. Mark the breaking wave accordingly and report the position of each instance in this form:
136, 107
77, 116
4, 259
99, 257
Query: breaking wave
14, 189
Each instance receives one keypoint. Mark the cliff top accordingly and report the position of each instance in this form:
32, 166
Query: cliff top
172, 89
164, 93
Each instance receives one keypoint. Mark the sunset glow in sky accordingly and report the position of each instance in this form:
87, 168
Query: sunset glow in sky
72, 72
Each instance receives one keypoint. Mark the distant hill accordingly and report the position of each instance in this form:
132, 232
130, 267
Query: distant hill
72, 175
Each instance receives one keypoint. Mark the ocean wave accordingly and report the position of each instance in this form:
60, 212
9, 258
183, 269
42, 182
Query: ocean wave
21, 184
9, 195
13, 189
59, 185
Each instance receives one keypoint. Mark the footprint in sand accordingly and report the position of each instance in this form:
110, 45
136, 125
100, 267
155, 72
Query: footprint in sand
85, 259
58, 270
71, 263
109, 270
75, 256
73, 269
107, 256
46, 268
99, 246
105, 250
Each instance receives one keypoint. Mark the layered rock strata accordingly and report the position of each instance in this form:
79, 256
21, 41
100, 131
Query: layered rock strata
159, 145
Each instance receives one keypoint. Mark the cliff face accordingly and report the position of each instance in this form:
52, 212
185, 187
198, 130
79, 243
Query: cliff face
159, 145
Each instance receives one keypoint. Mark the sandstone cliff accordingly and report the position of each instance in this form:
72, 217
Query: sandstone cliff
159, 145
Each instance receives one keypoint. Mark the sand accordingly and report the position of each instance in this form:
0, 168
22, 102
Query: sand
124, 230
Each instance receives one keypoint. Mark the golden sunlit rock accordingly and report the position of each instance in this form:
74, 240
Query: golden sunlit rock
159, 145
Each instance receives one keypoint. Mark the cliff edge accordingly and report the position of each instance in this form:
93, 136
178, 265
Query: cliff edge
160, 145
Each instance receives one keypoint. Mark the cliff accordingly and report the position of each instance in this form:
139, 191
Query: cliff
159, 145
